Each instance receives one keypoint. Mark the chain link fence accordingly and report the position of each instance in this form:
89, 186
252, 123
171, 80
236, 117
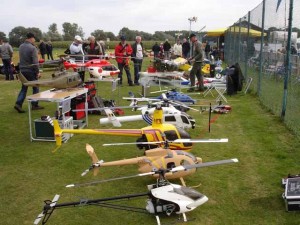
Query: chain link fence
266, 44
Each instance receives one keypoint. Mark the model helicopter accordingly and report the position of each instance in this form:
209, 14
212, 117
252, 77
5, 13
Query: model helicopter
60, 80
158, 131
153, 159
164, 198
98, 68
170, 115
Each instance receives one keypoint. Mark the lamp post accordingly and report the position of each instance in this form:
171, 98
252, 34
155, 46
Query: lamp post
192, 19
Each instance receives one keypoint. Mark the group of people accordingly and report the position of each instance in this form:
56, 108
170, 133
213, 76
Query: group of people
124, 52
46, 49
163, 51
192, 51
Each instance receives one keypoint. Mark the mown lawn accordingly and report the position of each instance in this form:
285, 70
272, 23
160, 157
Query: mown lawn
245, 193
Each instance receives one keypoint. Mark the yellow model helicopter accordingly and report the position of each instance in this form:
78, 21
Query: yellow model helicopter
157, 132
155, 159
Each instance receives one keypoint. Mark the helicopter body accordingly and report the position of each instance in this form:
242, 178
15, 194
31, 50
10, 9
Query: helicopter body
154, 159
158, 132
60, 80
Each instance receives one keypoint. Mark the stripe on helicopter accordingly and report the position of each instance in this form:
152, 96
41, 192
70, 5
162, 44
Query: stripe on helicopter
147, 118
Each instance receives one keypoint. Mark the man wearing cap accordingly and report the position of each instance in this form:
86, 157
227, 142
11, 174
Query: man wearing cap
196, 61
29, 67
76, 49
6, 53
122, 53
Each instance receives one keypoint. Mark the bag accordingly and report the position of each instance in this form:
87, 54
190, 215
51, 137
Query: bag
67, 52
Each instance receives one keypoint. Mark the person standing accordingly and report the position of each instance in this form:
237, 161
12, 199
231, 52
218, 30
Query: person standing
196, 61
156, 50
92, 48
29, 67
167, 48
207, 50
76, 49
49, 49
186, 47
138, 52
6, 53
122, 52
177, 49
43, 50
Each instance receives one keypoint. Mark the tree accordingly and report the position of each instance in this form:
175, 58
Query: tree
130, 35
36, 31
99, 34
71, 30
17, 35
52, 34
111, 36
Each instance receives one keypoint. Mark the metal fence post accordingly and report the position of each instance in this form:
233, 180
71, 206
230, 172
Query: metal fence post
287, 62
261, 48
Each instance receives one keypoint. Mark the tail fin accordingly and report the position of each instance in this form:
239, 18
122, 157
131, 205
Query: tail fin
57, 133
22, 78
112, 118
92, 154
157, 117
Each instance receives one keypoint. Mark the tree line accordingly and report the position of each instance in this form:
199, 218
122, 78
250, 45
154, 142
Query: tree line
17, 35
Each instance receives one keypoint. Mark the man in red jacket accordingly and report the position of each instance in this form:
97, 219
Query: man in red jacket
122, 53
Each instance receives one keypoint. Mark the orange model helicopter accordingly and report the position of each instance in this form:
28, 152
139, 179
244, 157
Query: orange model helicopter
154, 159
157, 132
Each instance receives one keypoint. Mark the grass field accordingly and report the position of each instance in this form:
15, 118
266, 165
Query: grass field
245, 193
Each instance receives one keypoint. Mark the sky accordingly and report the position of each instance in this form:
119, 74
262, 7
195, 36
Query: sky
112, 15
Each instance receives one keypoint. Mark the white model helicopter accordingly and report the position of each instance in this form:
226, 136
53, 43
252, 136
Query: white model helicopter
163, 197
171, 115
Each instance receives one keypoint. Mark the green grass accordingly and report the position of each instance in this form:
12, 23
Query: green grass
245, 193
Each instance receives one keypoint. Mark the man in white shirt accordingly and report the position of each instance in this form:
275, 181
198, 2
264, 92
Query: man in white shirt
137, 58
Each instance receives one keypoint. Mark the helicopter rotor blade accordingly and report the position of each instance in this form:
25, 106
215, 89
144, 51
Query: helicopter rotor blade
43, 213
220, 140
108, 180
134, 143
184, 105
206, 164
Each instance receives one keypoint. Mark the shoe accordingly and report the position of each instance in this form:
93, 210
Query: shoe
200, 89
19, 109
37, 107
137, 84
191, 90
130, 84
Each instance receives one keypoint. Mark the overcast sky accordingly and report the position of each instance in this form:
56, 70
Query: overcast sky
113, 15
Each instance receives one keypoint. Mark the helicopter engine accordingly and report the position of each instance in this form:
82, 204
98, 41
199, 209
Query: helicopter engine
159, 206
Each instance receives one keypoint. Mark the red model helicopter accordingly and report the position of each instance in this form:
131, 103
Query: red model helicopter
98, 68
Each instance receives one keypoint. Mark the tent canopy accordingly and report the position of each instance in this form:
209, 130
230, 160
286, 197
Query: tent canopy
236, 29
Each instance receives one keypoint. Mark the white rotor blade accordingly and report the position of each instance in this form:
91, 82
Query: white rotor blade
221, 140
107, 180
206, 164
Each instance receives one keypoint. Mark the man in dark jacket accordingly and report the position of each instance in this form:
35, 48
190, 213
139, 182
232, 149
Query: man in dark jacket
156, 50
196, 61
167, 48
29, 68
186, 47
43, 49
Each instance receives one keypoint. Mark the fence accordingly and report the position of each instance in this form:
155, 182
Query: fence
266, 44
